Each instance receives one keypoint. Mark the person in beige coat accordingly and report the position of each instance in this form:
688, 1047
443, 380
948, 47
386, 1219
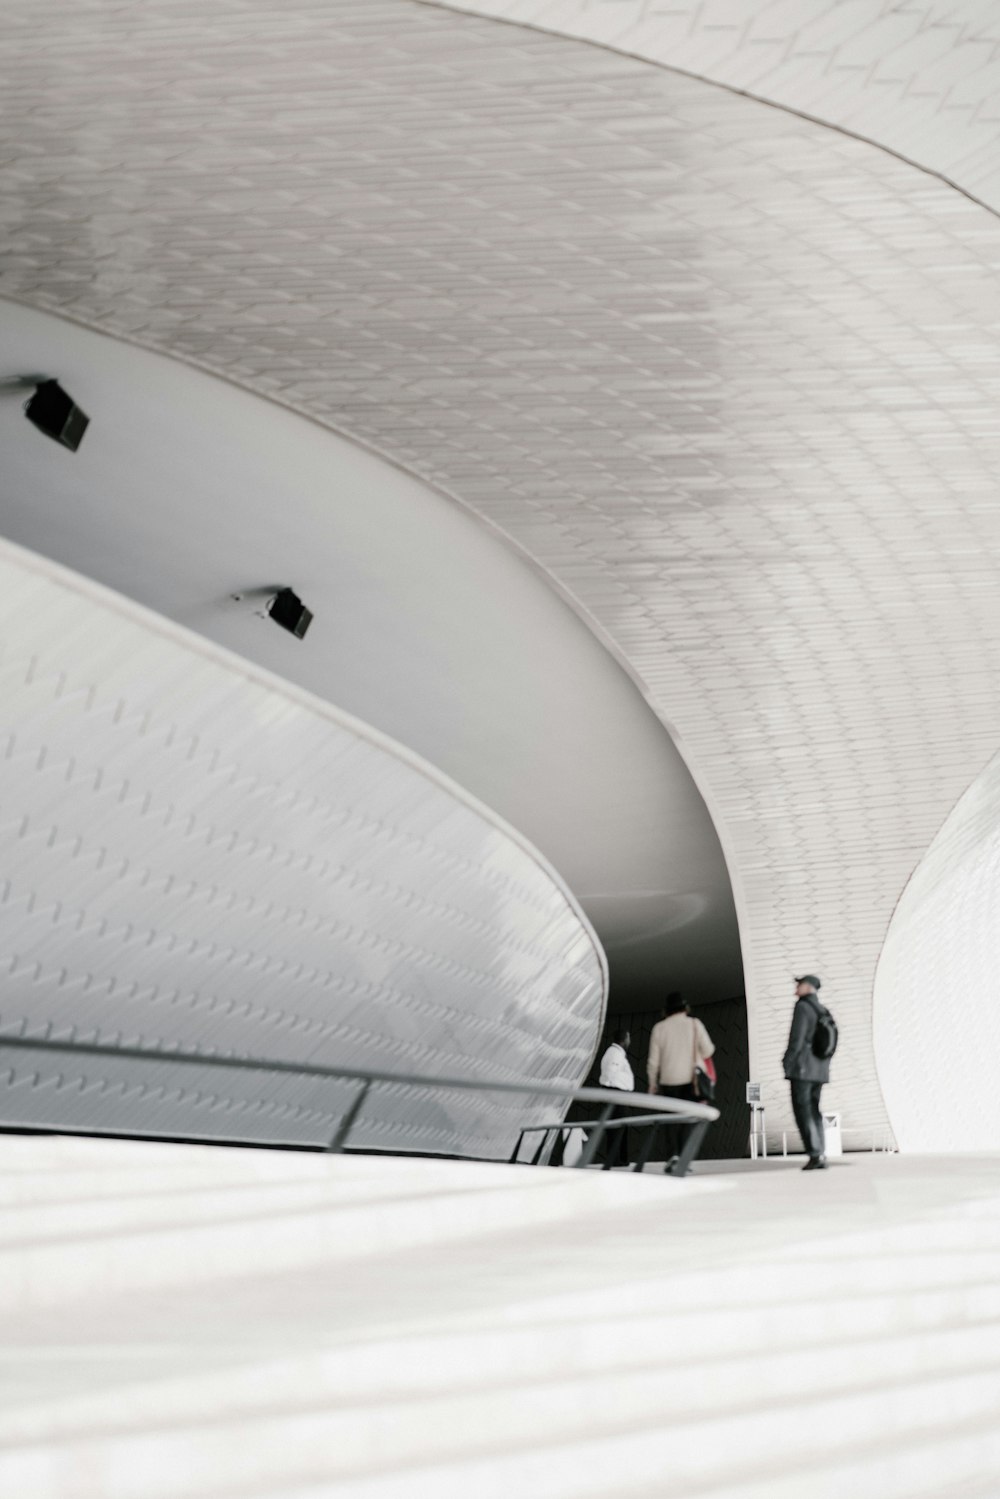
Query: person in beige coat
676, 1045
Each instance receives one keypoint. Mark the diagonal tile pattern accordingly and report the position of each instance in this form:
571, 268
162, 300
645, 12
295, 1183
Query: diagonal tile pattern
920, 77
730, 377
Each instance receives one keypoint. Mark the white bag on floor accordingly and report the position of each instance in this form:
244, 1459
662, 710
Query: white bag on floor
832, 1137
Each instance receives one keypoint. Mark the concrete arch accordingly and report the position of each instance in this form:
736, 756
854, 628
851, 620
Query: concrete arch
937, 988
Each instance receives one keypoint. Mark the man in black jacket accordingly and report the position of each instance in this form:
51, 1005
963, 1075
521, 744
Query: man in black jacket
807, 1072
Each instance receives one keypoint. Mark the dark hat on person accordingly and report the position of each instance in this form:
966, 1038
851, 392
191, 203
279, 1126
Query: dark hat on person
810, 978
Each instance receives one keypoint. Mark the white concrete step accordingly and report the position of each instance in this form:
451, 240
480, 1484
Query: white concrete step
181, 1239
760, 1346
291, 1426
567, 1448
51, 1253
422, 1366
31, 1225
840, 1273
32, 1157
60, 1206
929, 1464
179, 1168
66, 1168
679, 1460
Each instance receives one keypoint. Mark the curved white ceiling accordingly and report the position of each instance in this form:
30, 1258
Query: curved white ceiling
730, 376
921, 80
200, 856
427, 625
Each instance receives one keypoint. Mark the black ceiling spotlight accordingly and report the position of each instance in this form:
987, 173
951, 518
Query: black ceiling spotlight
283, 605
53, 412
288, 611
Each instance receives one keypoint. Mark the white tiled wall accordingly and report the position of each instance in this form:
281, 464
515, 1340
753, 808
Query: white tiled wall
197, 856
937, 990
731, 377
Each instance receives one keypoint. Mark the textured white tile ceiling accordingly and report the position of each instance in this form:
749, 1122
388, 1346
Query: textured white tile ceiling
731, 377
197, 857
921, 79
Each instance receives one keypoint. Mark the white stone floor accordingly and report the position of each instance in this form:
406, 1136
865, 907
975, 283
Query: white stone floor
218, 1323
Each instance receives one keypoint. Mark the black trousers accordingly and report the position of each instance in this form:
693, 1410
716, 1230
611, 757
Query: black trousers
805, 1106
674, 1135
615, 1141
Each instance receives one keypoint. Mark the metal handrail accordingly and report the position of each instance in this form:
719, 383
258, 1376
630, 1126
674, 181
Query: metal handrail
679, 1165
640, 1119
701, 1115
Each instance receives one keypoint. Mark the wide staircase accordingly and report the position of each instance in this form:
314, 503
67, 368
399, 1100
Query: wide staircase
185, 1322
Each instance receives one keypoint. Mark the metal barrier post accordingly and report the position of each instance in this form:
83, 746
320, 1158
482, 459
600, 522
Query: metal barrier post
543, 1141
346, 1124
563, 1134
596, 1136
757, 1123
681, 1165
646, 1148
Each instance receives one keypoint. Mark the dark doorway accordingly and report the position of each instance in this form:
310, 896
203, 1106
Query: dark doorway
726, 1023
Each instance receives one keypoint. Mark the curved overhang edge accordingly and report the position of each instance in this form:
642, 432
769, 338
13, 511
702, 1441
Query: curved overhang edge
190, 640
491, 527
566, 33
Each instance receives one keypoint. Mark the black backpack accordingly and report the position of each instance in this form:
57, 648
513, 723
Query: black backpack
825, 1036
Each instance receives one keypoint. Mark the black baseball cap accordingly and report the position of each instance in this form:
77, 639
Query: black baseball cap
810, 978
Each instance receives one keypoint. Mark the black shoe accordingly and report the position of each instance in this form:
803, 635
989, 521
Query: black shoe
815, 1163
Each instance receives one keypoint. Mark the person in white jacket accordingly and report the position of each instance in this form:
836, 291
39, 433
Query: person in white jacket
616, 1072
615, 1069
